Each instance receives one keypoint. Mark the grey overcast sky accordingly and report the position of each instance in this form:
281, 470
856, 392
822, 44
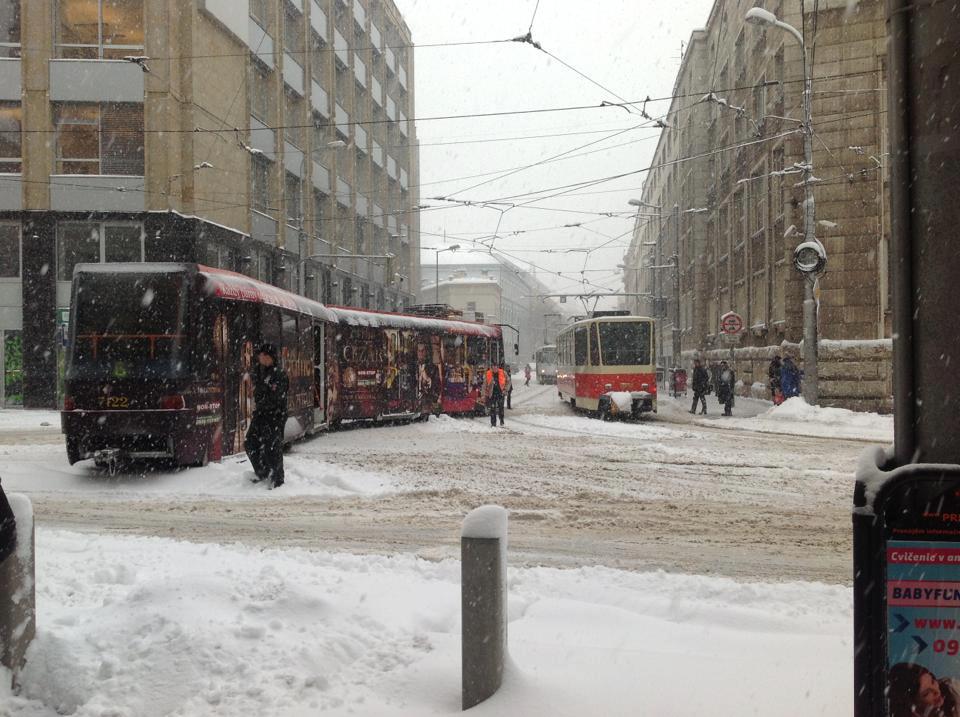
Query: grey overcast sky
630, 47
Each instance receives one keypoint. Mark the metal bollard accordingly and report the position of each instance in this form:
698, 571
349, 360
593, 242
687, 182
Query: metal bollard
483, 551
18, 591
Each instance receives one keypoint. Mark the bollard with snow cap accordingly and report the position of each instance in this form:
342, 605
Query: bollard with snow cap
483, 549
18, 590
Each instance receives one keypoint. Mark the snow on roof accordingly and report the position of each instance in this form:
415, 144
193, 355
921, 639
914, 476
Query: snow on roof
361, 317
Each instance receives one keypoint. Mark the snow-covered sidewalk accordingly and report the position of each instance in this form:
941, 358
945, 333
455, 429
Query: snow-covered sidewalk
794, 417
150, 626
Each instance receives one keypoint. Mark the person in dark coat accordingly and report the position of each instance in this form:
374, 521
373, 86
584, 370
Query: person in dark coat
789, 378
726, 380
701, 387
494, 390
773, 378
264, 441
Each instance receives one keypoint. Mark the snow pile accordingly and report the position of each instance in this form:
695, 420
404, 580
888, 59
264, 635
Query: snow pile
832, 421
150, 627
623, 400
487, 521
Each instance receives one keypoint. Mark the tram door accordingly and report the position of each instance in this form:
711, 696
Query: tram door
242, 337
319, 375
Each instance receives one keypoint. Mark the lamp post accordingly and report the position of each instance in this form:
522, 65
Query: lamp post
437, 253
809, 257
640, 203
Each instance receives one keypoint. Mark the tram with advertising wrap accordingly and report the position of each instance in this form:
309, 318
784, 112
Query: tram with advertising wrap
161, 360
606, 365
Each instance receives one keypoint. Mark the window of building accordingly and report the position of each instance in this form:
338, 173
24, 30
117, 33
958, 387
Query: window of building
9, 28
319, 210
260, 11
293, 129
293, 32
260, 94
260, 184
9, 251
10, 137
96, 242
99, 139
291, 193
99, 29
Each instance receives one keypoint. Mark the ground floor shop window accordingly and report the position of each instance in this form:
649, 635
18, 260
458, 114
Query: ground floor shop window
12, 349
96, 242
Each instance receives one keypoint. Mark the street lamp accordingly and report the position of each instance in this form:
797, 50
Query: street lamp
656, 287
810, 257
437, 253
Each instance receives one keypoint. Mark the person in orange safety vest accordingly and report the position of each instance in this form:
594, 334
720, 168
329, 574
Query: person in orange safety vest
494, 389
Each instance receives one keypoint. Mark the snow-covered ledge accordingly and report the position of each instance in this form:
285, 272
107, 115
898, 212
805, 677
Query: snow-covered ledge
18, 591
483, 592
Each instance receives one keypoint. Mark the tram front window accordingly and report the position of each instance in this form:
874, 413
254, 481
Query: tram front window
625, 343
128, 325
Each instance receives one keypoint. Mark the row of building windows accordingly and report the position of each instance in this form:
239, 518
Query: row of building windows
77, 242
91, 138
84, 29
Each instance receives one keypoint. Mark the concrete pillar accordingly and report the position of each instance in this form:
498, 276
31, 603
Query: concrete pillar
483, 549
18, 591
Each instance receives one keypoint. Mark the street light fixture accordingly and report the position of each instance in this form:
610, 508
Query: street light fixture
810, 257
437, 253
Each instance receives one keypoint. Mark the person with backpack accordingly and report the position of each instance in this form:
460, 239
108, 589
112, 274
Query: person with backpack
494, 390
789, 378
726, 380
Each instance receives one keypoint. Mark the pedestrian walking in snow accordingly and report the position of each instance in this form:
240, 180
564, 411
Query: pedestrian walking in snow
726, 380
264, 441
494, 390
509, 391
773, 380
526, 375
789, 378
701, 387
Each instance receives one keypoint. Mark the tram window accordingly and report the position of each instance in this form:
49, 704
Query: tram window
594, 346
625, 343
270, 327
453, 349
580, 346
130, 324
476, 351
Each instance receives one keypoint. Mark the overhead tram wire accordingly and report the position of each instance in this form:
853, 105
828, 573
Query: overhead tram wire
574, 186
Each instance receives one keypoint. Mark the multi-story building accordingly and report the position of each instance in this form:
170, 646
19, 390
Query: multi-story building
722, 207
269, 137
496, 291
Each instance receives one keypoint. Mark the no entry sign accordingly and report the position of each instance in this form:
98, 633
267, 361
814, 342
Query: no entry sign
731, 323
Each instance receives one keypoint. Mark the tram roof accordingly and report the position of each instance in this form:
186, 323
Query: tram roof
231, 285
594, 319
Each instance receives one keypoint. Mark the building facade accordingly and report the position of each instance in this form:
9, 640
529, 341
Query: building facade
270, 137
722, 207
495, 291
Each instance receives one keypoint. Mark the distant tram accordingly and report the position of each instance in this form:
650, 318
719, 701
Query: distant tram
162, 358
545, 358
606, 365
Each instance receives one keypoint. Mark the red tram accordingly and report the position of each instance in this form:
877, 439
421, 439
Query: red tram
606, 365
161, 360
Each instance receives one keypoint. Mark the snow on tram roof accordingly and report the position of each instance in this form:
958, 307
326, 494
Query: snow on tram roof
231, 285
365, 317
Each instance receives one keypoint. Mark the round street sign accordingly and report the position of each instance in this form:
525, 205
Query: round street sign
731, 323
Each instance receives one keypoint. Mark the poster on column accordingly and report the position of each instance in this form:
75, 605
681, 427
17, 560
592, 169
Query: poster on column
923, 627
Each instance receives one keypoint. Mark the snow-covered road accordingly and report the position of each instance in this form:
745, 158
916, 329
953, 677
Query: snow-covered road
741, 497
